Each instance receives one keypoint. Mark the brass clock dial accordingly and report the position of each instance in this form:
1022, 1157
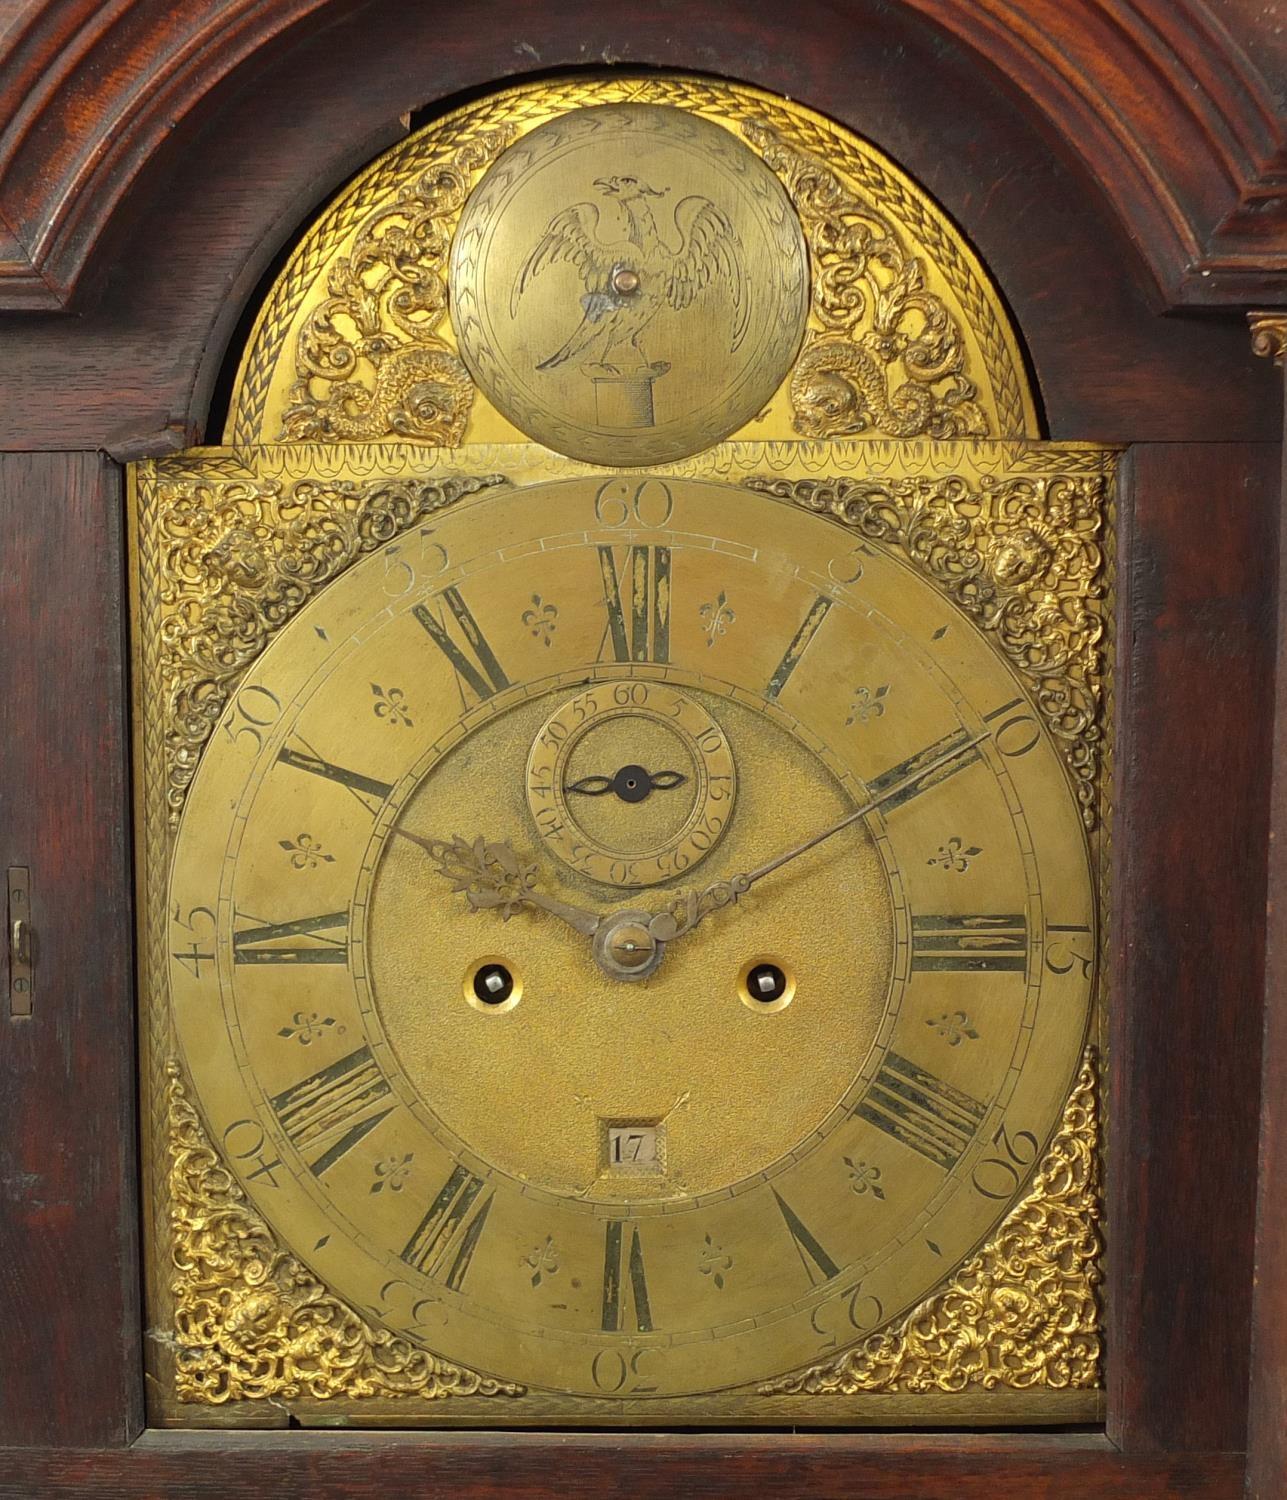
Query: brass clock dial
730, 1067
629, 283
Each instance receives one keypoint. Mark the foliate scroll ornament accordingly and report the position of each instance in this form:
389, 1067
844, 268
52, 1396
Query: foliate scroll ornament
1023, 1313
1269, 335
252, 1323
889, 357
369, 360
1022, 556
234, 560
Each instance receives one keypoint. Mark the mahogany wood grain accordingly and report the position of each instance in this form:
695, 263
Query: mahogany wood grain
1196, 661
1267, 1410
69, 1306
1195, 165
518, 1466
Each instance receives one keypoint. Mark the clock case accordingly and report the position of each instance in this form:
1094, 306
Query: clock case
1197, 543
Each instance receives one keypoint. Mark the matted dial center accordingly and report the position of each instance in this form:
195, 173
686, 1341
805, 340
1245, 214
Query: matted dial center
631, 783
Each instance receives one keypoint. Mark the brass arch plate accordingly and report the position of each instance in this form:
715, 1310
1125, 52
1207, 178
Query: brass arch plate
629, 284
905, 336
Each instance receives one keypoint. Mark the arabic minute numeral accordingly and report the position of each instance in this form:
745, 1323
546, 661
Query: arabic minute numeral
1017, 734
1062, 954
253, 710
246, 1141
857, 1310
1000, 1176
649, 503
194, 955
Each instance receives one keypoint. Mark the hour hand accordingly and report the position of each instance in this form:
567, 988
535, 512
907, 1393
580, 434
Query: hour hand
491, 875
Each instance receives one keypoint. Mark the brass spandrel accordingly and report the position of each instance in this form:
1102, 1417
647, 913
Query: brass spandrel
250, 1322
1022, 1313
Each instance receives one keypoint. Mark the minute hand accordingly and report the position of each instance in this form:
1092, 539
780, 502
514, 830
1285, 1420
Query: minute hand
689, 907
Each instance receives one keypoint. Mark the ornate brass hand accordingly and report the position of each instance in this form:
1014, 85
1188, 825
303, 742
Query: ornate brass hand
688, 908
491, 875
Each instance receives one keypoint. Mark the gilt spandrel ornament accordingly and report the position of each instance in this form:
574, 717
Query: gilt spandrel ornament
252, 1323
660, 305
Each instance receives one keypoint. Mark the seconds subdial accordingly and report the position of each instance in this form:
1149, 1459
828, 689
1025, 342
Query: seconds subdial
660, 812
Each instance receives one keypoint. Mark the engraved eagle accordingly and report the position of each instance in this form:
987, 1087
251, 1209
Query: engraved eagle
628, 281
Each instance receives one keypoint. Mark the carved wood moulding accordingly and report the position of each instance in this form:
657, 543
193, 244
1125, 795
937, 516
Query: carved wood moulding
1195, 166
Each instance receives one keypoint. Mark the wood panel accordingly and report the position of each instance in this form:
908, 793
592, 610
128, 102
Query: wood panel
1196, 657
1267, 1415
69, 1330
516, 1466
211, 208
1196, 164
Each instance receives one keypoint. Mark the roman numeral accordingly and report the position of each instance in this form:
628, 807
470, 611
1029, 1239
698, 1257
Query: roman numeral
813, 1257
250, 945
645, 634
809, 627
970, 945
614, 1283
921, 1111
362, 787
474, 663
907, 770
447, 1236
328, 1100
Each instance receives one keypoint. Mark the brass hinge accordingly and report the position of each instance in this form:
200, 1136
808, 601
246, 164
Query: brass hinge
20, 942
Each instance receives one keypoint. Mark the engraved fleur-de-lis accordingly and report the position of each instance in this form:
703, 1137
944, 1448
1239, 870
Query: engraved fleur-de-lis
714, 1262
390, 706
864, 1178
954, 1027
716, 617
542, 1261
541, 620
392, 1172
868, 703
305, 852
307, 1025
955, 856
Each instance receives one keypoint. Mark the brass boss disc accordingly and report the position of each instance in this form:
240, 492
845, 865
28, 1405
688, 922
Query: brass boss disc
631, 783
625, 314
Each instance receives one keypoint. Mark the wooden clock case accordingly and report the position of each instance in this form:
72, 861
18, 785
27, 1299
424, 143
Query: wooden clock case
1122, 170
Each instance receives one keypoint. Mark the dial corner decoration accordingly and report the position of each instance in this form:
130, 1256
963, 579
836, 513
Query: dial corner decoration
251, 1323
